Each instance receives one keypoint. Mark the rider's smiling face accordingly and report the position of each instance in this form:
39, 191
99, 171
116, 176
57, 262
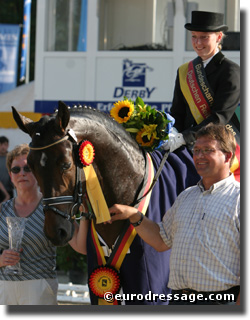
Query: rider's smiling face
205, 44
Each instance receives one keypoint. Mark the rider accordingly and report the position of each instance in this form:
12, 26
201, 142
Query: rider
207, 89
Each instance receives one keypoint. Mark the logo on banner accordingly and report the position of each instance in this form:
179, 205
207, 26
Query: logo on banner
134, 74
133, 77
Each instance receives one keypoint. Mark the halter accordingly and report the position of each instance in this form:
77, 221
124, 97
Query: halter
76, 200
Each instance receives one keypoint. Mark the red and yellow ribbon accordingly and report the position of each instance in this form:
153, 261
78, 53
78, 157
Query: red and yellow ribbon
125, 240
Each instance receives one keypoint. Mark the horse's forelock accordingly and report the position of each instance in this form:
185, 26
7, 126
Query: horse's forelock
45, 129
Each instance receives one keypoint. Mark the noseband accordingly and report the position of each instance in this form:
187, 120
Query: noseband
76, 200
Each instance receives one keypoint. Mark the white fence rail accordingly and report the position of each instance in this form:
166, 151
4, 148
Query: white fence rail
73, 294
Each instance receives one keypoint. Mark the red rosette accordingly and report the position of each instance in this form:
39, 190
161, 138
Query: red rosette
86, 153
104, 279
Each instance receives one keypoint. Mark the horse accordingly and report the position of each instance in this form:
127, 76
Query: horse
121, 166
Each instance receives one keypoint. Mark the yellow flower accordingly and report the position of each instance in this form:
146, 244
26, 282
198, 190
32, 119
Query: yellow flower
146, 136
150, 131
142, 109
122, 111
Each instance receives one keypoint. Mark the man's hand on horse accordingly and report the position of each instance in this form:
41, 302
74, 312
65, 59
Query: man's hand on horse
122, 212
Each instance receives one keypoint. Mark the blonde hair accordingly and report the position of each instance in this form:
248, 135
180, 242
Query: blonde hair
19, 150
221, 41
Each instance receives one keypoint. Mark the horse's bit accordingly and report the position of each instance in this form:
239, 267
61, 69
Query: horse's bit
50, 203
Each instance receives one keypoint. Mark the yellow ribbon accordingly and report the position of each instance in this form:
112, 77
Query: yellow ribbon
187, 94
95, 195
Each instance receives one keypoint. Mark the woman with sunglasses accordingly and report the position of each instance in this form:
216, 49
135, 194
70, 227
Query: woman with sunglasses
38, 283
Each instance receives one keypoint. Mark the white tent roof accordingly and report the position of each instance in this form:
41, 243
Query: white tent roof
22, 98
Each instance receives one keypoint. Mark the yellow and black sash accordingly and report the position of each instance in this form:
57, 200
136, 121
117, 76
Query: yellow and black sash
105, 278
199, 95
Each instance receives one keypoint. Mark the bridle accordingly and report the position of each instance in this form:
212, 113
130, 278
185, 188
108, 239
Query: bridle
77, 198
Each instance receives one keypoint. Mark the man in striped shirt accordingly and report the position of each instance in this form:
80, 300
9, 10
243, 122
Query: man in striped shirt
202, 227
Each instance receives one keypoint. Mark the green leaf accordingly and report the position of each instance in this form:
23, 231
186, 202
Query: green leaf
139, 101
132, 130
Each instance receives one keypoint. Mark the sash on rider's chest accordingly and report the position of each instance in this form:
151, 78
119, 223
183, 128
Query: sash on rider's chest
200, 97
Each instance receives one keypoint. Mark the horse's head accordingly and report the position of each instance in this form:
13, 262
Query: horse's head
51, 159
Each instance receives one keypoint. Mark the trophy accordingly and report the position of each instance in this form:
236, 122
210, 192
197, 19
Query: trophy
15, 228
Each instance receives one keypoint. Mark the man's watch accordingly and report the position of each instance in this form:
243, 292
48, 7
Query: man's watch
136, 224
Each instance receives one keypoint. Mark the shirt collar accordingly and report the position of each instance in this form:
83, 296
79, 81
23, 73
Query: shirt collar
217, 185
205, 62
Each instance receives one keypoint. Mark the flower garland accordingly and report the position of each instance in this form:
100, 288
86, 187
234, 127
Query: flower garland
148, 126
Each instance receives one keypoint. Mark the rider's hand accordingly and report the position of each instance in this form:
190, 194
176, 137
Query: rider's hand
175, 141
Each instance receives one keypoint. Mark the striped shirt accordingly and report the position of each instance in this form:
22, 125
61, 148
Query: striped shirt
203, 230
38, 259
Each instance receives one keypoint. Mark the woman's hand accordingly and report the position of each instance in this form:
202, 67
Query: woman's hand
9, 257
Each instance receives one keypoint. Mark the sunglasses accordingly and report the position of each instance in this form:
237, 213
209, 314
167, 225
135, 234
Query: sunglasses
17, 169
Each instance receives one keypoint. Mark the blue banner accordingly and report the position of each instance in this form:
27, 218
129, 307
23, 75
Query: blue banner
82, 38
25, 38
49, 106
9, 46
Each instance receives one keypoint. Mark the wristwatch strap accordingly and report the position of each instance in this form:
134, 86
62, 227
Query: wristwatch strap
136, 224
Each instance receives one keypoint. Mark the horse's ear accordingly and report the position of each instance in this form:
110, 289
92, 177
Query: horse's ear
62, 117
25, 124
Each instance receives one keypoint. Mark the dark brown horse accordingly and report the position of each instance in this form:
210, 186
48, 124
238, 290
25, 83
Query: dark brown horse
55, 169
120, 166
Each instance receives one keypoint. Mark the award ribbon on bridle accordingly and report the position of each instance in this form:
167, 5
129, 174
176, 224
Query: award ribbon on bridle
94, 191
199, 95
105, 278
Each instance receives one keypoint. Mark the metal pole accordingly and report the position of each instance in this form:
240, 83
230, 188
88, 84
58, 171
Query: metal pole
27, 77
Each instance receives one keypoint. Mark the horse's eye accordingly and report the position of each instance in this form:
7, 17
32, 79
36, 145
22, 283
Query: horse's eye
66, 166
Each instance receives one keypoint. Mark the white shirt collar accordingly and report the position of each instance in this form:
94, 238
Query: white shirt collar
205, 62
215, 186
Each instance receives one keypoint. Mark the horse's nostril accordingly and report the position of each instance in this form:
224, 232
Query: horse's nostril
62, 234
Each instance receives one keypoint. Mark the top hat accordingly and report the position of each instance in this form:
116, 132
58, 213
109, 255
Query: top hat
206, 22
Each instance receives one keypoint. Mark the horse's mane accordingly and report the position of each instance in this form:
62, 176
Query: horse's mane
103, 119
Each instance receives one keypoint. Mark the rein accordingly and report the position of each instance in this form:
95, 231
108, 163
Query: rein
76, 200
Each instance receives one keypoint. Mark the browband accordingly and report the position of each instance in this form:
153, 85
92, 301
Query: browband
49, 145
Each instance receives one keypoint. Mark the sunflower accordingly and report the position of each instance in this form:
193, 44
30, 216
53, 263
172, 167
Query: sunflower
122, 111
147, 135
